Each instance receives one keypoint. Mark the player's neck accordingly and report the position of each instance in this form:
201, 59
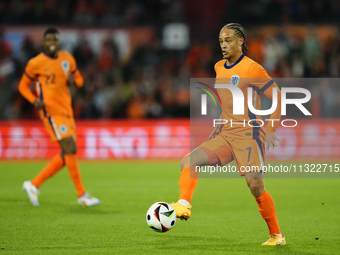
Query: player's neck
54, 55
233, 59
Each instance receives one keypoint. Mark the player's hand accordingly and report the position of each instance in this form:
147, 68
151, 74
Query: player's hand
71, 80
216, 131
39, 104
271, 141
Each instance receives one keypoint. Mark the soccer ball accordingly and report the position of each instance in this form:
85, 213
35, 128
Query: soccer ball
161, 217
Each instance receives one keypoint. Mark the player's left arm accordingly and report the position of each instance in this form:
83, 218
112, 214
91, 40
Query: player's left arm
267, 86
74, 78
275, 117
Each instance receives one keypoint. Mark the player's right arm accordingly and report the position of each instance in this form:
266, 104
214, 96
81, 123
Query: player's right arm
28, 77
218, 127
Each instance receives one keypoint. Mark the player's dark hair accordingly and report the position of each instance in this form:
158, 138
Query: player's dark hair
239, 31
51, 30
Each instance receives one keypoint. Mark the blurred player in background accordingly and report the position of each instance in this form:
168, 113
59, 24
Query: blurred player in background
53, 71
242, 143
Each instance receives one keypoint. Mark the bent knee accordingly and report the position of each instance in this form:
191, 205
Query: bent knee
71, 151
68, 146
253, 186
197, 157
71, 148
185, 162
256, 186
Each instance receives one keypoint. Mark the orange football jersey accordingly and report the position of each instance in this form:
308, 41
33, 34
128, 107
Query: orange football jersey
245, 73
50, 76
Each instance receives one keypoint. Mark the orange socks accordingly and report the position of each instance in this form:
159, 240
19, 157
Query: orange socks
187, 185
73, 169
55, 165
52, 168
266, 207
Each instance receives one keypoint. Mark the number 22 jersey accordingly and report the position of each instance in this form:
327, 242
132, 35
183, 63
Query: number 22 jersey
50, 76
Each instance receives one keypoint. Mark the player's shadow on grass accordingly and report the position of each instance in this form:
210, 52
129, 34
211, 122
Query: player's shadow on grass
14, 201
95, 210
201, 243
71, 207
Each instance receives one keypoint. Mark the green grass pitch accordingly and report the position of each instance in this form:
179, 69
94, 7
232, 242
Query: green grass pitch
225, 218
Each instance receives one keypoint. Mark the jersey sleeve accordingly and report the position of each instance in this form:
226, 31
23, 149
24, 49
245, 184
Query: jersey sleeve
24, 89
73, 64
259, 77
217, 67
78, 78
28, 77
30, 70
261, 80
74, 70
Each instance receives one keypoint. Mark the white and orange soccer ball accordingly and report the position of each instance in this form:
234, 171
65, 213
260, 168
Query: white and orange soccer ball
161, 217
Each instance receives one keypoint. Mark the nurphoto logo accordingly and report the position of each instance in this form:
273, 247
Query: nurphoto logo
238, 103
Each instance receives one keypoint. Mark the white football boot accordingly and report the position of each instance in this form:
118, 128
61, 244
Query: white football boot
32, 192
87, 200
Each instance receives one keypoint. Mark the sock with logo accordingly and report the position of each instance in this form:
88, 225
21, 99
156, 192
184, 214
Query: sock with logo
266, 207
187, 185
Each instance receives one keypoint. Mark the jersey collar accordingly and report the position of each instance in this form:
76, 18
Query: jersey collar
49, 55
238, 61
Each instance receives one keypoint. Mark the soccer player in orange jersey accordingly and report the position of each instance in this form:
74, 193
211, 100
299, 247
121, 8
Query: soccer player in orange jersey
243, 143
53, 71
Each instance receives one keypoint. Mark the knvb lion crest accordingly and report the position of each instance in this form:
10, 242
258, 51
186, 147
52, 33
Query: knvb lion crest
235, 79
65, 65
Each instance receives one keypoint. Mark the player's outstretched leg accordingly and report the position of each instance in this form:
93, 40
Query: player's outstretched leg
188, 181
267, 210
56, 164
69, 149
31, 187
